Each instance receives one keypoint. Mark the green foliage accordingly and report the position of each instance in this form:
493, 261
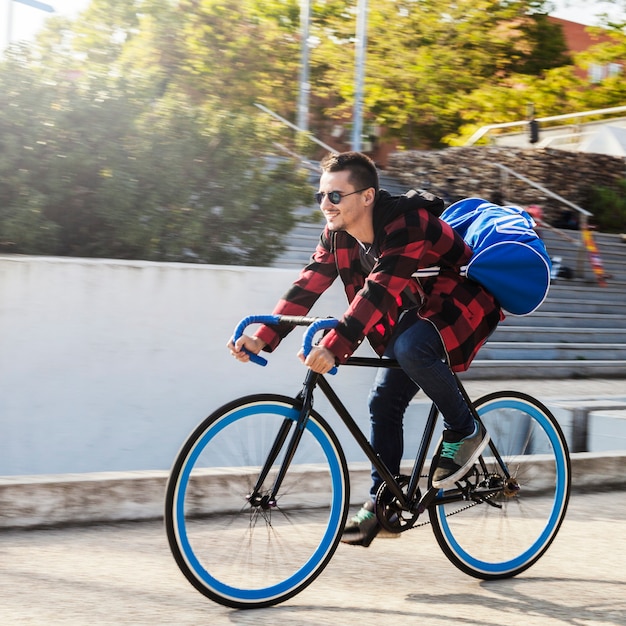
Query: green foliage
23, 225
241, 51
107, 155
546, 48
557, 89
423, 57
608, 207
131, 131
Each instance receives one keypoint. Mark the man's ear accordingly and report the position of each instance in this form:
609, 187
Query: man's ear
370, 195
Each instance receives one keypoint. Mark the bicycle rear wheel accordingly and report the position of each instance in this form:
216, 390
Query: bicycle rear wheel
247, 555
520, 514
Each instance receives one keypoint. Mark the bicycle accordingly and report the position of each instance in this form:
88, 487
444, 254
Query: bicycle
258, 495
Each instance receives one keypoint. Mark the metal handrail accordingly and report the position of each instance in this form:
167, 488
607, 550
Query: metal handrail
584, 214
313, 138
484, 130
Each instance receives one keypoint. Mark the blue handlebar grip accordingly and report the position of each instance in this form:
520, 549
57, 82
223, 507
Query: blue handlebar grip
255, 358
307, 340
254, 319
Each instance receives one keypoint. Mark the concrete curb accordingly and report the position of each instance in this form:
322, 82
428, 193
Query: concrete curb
105, 497
60, 499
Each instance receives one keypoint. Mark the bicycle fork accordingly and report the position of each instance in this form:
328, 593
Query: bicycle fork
266, 501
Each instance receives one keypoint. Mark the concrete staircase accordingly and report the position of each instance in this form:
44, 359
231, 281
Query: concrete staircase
578, 332
301, 243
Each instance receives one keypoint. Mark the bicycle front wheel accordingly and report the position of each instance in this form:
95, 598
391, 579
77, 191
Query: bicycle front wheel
508, 528
244, 553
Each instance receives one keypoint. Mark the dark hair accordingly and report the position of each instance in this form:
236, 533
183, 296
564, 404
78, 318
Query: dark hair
363, 172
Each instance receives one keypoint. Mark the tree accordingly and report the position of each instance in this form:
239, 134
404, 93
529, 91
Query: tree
126, 164
494, 103
423, 56
554, 91
610, 90
240, 52
608, 207
131, 131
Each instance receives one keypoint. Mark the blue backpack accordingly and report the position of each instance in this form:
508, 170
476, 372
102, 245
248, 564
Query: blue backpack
509, 260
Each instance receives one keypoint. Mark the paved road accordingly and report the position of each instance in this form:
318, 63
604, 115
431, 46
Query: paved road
124, 574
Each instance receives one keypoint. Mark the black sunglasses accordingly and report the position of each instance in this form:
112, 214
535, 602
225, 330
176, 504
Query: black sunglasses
335, 196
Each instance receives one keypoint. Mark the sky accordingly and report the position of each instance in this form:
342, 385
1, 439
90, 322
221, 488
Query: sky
28, 20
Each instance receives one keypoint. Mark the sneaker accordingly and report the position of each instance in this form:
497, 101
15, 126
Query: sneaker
457, 455
362, 528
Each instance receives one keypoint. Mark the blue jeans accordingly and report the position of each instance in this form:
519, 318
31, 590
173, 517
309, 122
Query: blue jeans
418, 348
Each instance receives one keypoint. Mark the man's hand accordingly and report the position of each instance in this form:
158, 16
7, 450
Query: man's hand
320, 360
252, 344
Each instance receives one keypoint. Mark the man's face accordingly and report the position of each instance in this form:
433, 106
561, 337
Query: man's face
350, 212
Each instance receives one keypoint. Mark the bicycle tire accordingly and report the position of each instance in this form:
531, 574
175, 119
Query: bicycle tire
237, 554
491, 543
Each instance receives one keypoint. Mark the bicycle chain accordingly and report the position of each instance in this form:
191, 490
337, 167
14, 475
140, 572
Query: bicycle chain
465, 508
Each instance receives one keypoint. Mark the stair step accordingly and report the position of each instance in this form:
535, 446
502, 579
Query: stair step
296, 258
548, 319
611, 247
525, 334
502, 369
495, 350
578, 290
587, 305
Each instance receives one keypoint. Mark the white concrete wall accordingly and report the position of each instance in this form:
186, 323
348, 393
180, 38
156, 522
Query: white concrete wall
108, 365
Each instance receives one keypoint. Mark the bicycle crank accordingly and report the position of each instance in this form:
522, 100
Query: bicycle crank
389, 512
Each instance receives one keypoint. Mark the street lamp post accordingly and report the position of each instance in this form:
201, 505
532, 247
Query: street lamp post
303, 103
361, 45
8, 12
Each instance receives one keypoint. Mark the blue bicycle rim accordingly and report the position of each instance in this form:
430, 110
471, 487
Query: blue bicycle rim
559, 497
327, 541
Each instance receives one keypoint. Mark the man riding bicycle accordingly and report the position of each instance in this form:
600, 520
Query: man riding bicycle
375, 242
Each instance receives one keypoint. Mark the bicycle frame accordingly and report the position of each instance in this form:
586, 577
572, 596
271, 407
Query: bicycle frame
412, 501
407, 502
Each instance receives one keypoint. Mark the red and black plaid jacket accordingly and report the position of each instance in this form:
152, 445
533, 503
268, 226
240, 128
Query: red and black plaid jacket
408, 236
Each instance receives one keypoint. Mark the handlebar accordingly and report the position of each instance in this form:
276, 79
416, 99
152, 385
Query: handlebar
247, 321
320, 324
315, 324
